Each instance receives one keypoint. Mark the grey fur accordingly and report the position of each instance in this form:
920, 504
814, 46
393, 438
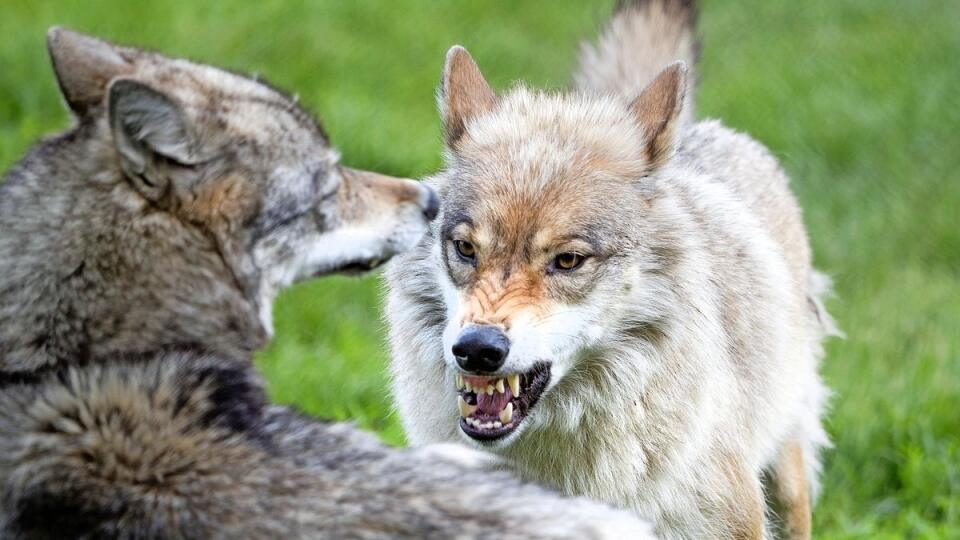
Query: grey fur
183, 445
140, 252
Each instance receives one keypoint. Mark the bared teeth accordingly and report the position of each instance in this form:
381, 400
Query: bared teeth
490, 386
514, 381
506, 415
465, 408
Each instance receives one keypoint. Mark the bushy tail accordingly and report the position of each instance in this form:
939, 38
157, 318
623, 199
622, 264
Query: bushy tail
641, 39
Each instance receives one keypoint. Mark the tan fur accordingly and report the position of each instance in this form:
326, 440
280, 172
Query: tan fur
224, 204
369, 194
743, 511
496, 302
792, 491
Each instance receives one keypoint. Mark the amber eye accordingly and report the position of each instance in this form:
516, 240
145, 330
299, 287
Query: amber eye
568, 261
465, 250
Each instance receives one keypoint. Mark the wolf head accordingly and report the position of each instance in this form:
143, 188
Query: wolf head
242, 158
548, 232
184, 179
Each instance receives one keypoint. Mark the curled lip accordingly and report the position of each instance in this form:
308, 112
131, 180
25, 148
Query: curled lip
354, 268
492, 407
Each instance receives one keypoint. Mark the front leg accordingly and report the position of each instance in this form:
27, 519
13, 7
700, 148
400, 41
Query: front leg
742, 511
791, 491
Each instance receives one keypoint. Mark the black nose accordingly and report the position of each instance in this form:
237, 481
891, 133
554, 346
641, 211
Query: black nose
432, 204
481, 349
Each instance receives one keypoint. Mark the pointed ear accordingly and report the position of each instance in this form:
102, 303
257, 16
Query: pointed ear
658, 111
85, 66
150, 131
464, 93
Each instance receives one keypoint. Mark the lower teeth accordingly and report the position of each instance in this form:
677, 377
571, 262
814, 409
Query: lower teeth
483, 425
466, 412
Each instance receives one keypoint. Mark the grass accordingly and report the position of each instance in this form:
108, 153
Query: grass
859, 98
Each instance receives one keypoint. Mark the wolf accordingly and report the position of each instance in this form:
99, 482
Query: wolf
617, 299
140, 253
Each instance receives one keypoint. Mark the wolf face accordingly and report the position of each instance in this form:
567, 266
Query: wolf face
221, 148
532, 271
363, 220
204, 189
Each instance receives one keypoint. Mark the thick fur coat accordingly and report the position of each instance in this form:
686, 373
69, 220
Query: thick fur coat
647, 280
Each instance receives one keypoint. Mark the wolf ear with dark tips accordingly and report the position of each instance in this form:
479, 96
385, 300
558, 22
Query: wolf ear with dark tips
84, 67
658, 109
464, 93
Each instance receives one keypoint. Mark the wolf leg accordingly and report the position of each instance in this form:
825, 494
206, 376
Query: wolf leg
748, 522
742, 509
791, 491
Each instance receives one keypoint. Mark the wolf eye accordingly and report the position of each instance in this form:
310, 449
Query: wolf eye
568, 261
465, 250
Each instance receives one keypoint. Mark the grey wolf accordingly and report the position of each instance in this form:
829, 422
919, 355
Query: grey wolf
140, 253
617, 299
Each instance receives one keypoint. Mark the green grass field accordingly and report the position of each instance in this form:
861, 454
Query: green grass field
859, 98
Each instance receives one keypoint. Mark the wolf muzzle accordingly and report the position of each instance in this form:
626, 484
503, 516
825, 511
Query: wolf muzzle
481, 349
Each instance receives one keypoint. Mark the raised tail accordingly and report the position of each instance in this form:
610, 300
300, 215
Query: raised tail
641, 39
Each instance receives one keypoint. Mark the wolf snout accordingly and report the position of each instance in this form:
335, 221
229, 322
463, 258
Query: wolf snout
385, 190
481, 349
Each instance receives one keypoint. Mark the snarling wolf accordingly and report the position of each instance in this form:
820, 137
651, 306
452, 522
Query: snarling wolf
140, 253
616, 298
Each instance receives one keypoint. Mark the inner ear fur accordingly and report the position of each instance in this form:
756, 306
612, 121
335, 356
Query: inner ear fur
657, 110
150, 132
464, 93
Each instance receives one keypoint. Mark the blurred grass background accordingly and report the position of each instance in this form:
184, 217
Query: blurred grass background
859, 98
